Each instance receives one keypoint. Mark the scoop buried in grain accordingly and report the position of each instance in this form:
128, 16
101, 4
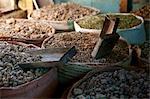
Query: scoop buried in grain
108, 39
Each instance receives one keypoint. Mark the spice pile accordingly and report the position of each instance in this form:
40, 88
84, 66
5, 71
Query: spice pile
61, 12
85, 42
11, 74
96, 22
26, 29
119, 84
143, 12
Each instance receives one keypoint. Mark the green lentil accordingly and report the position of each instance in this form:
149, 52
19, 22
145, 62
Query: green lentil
96, 22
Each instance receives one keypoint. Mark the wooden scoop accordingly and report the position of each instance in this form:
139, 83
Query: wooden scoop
37, 42
108, 39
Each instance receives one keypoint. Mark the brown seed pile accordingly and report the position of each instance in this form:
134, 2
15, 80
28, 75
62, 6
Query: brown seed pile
11, 74
61, 12
85, 42
26, 29
118, 84
143, 12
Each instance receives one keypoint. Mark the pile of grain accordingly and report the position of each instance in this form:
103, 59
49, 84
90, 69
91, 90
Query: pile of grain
11, 74
143, 12
61, 12
118, 84
26, 29
96, 22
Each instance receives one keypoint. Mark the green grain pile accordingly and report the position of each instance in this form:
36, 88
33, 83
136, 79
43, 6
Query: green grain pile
96, 22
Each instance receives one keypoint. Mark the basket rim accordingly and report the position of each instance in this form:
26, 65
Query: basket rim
98, 30
98, 70
28, 83
40, 22
91, 73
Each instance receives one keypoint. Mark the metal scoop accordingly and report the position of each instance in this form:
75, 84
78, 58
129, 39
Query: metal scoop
51, 57
107, 40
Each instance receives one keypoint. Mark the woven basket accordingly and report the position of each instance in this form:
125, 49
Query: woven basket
98, 71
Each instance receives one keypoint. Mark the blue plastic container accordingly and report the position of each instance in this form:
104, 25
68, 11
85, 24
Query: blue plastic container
134, 35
